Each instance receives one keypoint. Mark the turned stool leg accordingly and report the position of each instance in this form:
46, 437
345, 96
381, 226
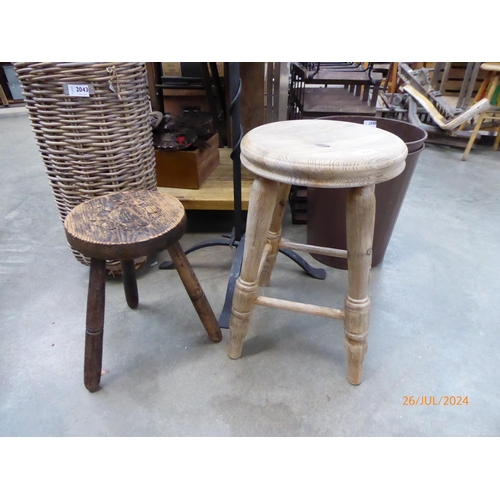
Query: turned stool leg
260, 212
130, 283
195, 292
360, 220
274, 234
95, 325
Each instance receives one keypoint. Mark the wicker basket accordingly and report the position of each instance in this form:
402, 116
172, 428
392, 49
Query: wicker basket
93, 145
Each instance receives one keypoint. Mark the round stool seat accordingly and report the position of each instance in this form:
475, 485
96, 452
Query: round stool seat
323, 153
125, 225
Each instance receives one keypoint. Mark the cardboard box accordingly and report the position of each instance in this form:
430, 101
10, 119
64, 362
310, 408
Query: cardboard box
187, 169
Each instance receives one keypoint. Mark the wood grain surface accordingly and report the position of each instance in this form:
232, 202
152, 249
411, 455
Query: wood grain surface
125, 225
323, 153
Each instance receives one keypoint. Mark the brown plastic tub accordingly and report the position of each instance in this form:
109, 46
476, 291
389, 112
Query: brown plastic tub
326, 218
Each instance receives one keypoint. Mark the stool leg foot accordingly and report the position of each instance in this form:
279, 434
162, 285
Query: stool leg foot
130, 283
243, 304
260, 212
357, 314
95, 325
274, 234
360, 218
195, 292
355, 355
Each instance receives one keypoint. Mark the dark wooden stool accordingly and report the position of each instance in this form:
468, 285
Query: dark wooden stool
124, 226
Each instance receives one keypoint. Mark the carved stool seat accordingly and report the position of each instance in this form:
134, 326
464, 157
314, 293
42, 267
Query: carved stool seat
317, 153
124, 226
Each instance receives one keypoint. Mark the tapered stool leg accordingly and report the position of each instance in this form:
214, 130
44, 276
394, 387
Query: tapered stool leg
95, 325
360, 220
195, 292
274, 234
260, 212
130, 283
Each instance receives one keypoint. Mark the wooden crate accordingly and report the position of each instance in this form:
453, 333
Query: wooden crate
187, 169
455, 79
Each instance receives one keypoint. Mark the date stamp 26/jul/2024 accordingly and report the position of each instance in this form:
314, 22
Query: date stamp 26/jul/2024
435, 401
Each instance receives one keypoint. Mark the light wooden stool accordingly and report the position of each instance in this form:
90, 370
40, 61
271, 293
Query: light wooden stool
488, 119
124, 226
319, 153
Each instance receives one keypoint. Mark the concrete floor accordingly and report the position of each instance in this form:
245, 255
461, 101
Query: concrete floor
434, 325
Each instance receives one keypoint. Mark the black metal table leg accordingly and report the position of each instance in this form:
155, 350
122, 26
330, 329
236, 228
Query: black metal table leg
235, 272
315, 272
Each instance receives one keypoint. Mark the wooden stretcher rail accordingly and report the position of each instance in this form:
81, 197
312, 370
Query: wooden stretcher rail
289, 305
300, 247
